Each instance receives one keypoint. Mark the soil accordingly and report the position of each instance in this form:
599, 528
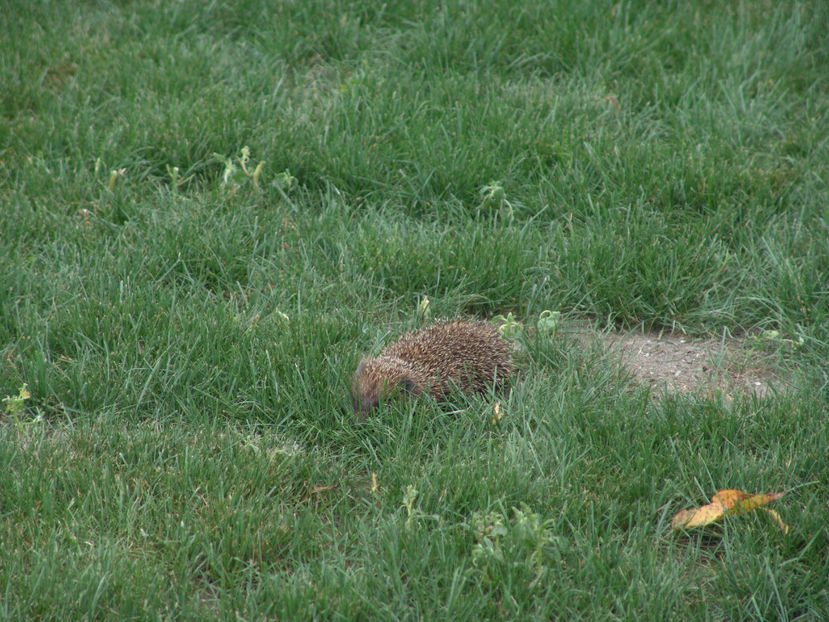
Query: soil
677, 364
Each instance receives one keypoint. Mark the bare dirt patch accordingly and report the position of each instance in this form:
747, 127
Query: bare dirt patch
678, 364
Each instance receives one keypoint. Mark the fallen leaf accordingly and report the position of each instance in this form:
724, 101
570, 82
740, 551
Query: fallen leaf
723, 503
498, 414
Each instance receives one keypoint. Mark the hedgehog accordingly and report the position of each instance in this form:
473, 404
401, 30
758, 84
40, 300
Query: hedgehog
464, 355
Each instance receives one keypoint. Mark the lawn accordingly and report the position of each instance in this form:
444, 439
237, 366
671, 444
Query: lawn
209, 212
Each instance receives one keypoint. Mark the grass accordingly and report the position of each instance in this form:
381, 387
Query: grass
188, 331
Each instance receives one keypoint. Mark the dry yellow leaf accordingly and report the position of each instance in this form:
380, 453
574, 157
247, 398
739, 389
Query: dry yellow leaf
723, 503
498, 414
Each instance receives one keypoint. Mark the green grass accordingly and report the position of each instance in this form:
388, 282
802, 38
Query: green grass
189, 451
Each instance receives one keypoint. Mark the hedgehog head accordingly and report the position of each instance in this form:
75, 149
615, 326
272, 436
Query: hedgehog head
380, 378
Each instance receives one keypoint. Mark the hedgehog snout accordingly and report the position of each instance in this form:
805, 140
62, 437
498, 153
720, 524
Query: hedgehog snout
367, 397
364, 405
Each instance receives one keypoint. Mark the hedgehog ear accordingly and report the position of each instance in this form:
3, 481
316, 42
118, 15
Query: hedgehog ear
409, 386
360, 368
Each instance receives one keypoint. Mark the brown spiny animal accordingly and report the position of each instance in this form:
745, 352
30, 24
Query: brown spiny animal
469, 356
